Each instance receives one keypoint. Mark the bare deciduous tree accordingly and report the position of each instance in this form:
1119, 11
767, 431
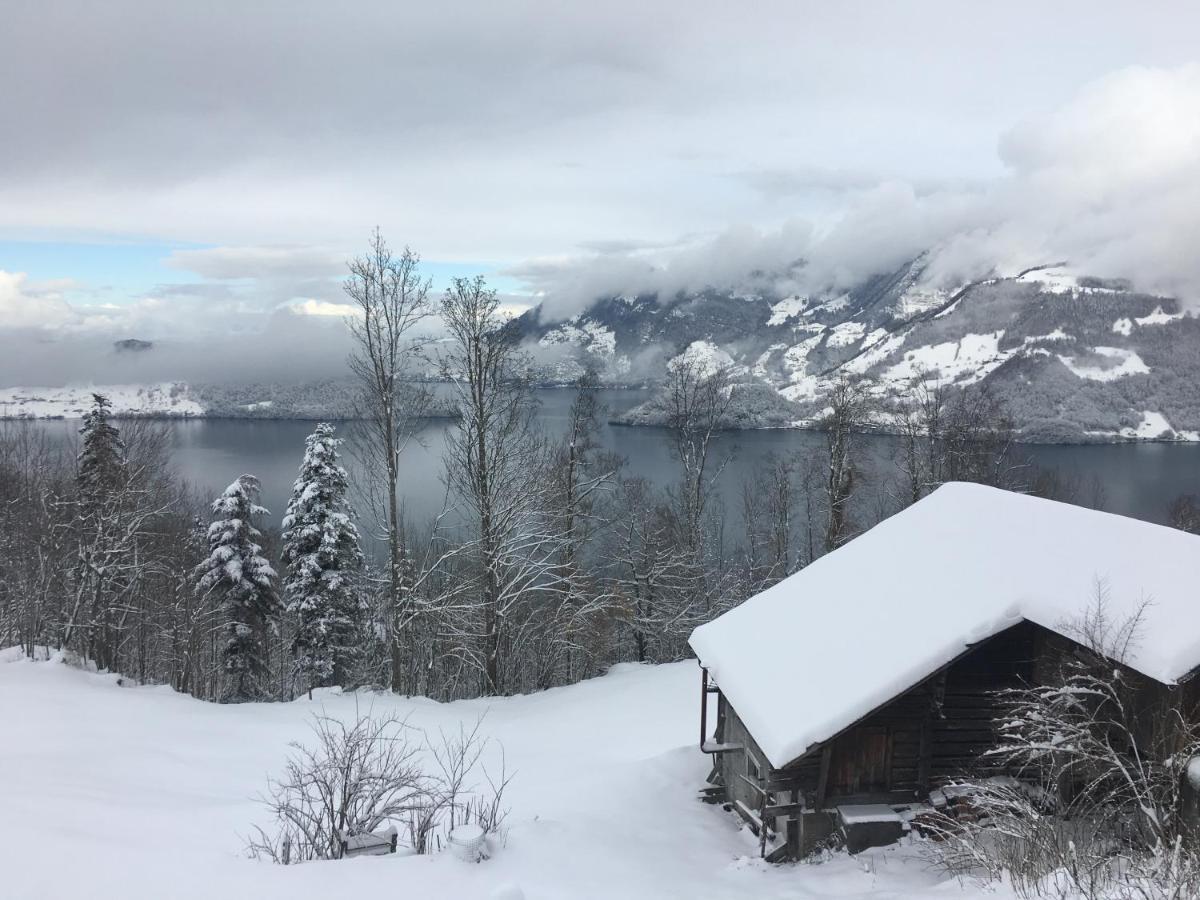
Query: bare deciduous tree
1184, 513
954, 434
497, 465
391, 300
357, 776
851, 411
697, 397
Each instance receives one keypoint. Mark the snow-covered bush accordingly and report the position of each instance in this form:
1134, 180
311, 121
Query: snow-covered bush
374, 772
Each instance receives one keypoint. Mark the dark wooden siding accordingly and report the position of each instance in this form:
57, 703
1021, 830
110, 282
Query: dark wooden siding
963, 721
934, 731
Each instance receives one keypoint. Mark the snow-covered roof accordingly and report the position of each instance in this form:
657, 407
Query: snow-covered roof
821, 649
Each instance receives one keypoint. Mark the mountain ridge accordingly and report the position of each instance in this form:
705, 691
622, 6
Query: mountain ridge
1072, 358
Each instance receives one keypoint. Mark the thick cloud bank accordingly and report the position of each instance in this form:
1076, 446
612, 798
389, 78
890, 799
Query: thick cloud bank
1109, 182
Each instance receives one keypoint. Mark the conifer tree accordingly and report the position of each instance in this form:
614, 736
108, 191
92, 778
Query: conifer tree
244, 584
101, 455
102, 538
323, 559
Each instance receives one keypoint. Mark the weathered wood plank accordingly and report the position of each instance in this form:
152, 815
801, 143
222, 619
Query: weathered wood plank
784, 809
823, 777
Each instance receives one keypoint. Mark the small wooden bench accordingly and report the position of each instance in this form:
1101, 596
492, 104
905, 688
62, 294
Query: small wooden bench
369, 843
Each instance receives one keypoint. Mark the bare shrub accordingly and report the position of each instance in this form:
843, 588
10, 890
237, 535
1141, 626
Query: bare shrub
372, 772
1101, 807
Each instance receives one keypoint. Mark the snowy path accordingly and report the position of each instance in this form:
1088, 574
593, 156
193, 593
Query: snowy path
142, 794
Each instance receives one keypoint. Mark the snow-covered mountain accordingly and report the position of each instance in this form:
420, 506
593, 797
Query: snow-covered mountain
1073, 358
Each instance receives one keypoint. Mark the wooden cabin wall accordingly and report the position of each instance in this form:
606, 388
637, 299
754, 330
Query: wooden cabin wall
740, 769
935, 731
963, 723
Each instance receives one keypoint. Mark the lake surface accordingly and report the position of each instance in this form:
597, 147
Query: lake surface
1139, 479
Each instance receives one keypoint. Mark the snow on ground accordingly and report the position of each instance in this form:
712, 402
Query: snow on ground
786, 308
966, 361
801, 388
1153, 425
1123, 326
139, 793
1125, 362
875, 337
1056, 335
760, 364
880, 349
1052, 280
916, 300
707, 357
1158, 317
591, 336
845, 334
1058, 280
830, 306
801, 385
168, 398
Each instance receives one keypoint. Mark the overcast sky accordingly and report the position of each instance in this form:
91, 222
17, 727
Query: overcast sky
175, 167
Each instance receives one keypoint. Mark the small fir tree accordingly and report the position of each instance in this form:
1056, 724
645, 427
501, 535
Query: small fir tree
244, 582
101, 455
323, 559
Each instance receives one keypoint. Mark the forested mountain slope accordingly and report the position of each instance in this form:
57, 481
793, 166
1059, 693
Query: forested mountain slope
1071, 358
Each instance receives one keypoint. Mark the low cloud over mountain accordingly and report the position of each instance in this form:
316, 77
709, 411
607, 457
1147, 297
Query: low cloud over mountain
1109, 182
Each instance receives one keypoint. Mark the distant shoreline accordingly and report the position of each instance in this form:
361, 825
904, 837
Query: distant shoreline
615, 422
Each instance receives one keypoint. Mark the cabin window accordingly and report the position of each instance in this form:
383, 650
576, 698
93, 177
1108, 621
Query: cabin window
754, 770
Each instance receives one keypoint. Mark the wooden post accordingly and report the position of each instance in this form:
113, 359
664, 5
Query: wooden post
823, 778
794, 825
762, 825
925, 754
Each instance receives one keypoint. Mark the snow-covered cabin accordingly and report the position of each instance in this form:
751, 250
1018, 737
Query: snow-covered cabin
865, 680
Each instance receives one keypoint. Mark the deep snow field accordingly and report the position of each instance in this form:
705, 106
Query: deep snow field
139, 793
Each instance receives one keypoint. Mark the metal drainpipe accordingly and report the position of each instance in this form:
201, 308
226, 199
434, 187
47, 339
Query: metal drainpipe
705, 690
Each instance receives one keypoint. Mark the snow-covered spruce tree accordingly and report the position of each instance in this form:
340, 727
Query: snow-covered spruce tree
101, 455
244, 583
323, 559
104, 550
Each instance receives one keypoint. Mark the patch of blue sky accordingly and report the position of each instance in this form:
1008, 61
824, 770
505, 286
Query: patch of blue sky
128, 270
440, 274
104, 272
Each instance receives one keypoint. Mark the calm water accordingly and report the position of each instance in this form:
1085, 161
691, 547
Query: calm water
1139, 479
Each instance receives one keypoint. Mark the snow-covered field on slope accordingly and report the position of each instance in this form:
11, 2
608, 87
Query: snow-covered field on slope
168, 398
139, 793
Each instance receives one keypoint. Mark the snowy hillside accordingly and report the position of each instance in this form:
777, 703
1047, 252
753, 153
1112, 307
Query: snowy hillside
329, 399
1074, 358
140, 793
167, 399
